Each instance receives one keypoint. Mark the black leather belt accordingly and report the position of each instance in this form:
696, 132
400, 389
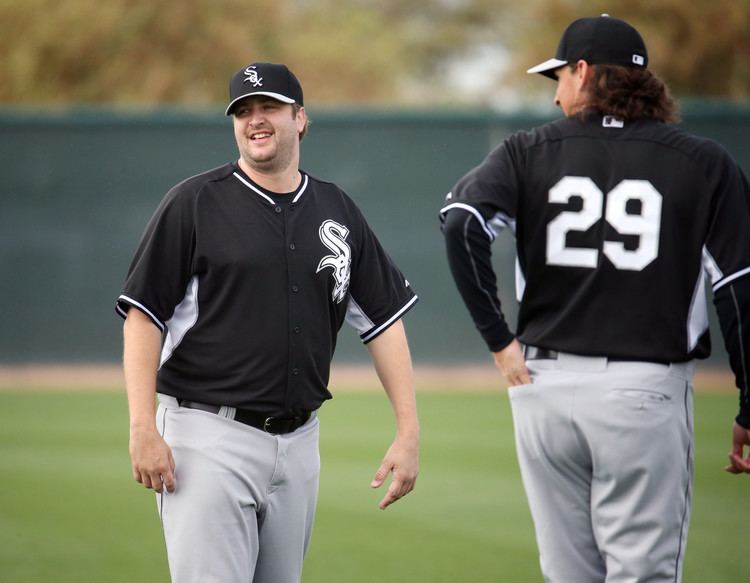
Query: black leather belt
537, 353
260, 421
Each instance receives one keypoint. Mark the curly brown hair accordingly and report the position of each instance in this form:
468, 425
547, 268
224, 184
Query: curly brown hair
630, 94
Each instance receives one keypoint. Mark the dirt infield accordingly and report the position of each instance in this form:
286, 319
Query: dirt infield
471, 377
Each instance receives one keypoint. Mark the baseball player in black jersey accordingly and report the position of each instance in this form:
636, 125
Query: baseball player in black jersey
620, 220
232, 303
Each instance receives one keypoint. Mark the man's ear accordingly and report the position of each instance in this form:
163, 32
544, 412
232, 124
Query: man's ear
301, 118
583, 73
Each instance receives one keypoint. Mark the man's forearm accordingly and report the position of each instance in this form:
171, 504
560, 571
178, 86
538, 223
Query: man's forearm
142, 342
390, 355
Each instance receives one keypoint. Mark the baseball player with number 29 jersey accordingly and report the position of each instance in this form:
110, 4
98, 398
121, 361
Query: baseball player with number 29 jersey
620, 221
233, 302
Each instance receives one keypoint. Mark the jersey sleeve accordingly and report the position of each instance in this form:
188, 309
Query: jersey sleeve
379, 293
470, 261
491, 190
480, 205
161, 268
726, 251
726, 258
732, 303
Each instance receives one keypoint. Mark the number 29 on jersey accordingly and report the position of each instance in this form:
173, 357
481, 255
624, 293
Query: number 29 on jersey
646, 224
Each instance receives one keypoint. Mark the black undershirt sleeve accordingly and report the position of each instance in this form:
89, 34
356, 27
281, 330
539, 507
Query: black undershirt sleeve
469, 257
732, 303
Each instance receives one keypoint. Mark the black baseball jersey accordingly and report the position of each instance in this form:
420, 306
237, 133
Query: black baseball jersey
251, 287
617, 225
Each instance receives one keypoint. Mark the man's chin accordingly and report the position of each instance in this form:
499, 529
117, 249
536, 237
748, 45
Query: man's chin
265, 165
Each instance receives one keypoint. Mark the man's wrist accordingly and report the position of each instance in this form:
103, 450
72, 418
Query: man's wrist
743, 420
410, 434
142, 424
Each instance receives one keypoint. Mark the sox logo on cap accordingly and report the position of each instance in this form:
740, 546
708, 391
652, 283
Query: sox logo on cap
252, 76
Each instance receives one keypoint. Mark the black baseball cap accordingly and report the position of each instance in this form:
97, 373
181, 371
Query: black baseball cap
598, 40
268, 79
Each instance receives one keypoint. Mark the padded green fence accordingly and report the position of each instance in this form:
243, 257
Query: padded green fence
77, 188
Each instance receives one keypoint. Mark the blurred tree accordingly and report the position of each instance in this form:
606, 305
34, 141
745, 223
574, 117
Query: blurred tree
145, 52
700, 48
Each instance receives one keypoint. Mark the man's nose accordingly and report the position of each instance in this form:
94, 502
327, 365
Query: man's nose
255, 116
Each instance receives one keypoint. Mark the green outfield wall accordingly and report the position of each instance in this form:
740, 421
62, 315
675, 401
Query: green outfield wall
77, 187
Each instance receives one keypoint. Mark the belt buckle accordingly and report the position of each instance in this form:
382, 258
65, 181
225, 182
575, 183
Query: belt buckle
267, 424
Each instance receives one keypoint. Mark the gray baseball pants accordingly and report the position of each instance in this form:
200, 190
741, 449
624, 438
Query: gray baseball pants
606, 456
244, 503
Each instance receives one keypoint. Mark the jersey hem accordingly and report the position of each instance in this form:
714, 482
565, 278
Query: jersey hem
371, 335
730, 278
470, 209
124, 300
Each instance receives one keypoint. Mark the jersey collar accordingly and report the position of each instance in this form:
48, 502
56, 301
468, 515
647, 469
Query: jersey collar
267, 195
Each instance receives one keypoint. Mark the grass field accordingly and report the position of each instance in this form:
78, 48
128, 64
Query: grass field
70, 512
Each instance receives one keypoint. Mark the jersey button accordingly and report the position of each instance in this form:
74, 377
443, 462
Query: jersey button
295, 371
297, 329
295, 288
277, 209
292, 246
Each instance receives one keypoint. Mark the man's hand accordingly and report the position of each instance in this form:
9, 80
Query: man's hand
151, 460
401, 459
512, 365
390, 354
740, 440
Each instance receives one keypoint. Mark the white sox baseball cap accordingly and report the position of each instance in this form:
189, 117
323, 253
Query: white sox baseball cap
269, 79
598, 40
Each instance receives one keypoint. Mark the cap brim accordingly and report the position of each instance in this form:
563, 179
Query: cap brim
547, 68
277, 96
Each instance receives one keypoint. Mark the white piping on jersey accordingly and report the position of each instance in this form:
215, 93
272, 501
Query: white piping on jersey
388, 322
255, 190
697, 322
492, 227
264, 195
493, 300
184, 318
301, 190
718, 279
732, 277
743, 363
141, 307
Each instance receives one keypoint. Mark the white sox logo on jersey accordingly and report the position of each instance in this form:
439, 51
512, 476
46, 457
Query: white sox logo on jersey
333, 236
252, 76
